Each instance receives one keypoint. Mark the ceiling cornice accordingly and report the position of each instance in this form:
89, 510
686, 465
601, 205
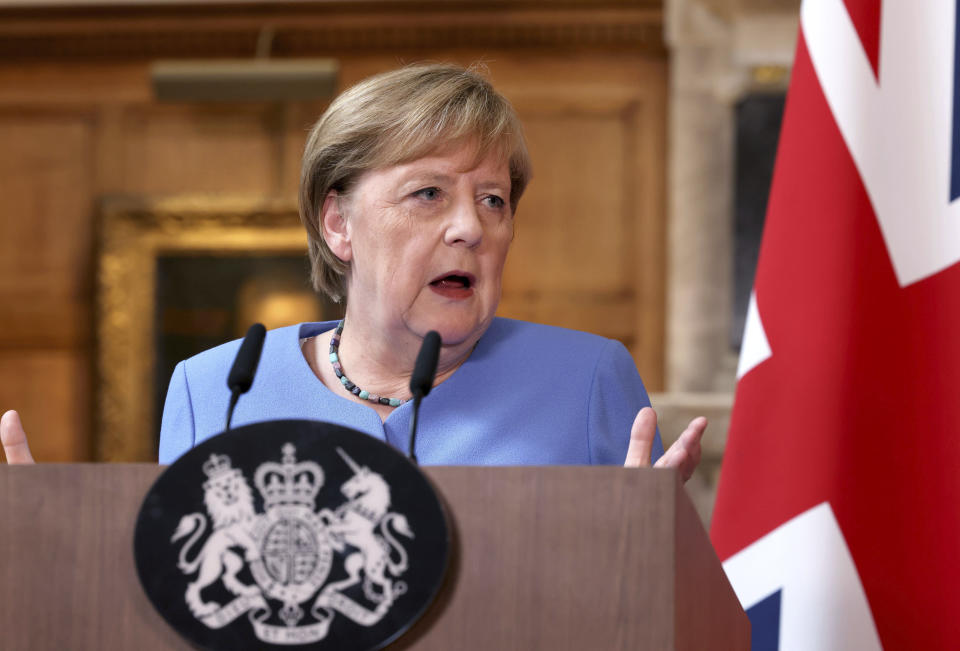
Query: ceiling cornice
319, 28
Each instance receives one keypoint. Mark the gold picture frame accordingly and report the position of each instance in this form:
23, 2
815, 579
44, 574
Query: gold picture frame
133, 233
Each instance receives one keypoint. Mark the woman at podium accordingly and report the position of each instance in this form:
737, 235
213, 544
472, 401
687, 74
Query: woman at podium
409, 189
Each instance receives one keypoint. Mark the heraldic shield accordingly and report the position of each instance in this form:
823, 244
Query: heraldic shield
292, 533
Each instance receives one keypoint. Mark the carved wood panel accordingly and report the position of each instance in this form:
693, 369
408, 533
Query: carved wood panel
45, 240
45, 280
194, 148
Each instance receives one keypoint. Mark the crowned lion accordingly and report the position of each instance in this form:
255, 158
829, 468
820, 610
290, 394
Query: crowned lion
229, 502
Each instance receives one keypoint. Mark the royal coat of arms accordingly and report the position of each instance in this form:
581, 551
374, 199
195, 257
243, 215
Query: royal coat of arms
291, 549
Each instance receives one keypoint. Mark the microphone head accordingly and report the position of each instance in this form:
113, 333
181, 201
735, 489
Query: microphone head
425, 369
245, 364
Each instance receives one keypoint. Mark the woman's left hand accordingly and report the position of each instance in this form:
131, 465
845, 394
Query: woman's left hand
684, 454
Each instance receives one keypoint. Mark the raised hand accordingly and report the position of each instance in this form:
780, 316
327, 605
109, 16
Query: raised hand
684, 454
14, 439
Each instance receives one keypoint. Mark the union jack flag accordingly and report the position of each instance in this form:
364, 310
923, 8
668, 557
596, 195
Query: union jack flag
838, 510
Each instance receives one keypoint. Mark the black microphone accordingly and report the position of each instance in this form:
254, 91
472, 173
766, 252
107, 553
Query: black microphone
245, 366
424, 372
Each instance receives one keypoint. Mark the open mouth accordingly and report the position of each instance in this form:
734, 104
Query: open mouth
456, 284
454, 281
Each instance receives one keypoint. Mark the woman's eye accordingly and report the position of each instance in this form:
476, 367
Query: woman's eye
429, 194
494, 201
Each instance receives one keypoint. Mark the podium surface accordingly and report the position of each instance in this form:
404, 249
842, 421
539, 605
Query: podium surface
543, 558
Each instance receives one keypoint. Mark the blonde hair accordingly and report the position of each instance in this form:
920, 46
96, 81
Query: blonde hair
397, 117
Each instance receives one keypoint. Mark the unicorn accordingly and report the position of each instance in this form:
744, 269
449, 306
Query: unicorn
364, 523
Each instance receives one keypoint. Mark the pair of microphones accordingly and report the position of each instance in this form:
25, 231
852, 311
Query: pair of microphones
245, 364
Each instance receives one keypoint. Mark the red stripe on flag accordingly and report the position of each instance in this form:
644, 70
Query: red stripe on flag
865, 15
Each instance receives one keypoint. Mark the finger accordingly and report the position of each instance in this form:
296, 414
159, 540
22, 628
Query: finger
686, 466
684, 455
642, 434
14, 439
671, 457
679, 459
696, 452
689, 440
690, 437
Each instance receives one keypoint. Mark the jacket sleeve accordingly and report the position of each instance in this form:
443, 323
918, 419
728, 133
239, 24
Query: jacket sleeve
616, 395
177, 426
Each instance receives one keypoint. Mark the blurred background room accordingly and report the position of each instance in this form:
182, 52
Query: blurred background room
150, 157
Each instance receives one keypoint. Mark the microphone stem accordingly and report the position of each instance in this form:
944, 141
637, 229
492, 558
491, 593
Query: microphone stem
234, 396
413, 427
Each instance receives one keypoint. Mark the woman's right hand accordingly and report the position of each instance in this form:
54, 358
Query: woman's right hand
14, 439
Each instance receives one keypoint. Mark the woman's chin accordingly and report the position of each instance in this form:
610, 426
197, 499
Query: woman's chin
455, 331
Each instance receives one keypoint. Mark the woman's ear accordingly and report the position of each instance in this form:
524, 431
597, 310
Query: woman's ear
334, 226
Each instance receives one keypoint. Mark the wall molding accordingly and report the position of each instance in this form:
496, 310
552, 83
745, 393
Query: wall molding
133, 233
317, 28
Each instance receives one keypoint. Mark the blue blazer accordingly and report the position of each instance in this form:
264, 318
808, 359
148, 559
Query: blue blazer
529, 394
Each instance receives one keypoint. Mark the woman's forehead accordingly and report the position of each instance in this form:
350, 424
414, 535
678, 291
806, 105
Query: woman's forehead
455, 161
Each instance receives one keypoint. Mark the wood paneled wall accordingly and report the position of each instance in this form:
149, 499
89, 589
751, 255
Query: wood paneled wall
78, 121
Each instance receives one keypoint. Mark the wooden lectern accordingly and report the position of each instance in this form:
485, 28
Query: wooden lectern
544, 558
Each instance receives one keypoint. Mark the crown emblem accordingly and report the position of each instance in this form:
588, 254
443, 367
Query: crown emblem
217, 466
288, 482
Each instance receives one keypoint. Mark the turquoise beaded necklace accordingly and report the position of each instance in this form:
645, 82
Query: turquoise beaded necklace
347, 384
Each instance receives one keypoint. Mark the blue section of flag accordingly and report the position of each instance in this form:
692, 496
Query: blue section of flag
955, 158
765, 623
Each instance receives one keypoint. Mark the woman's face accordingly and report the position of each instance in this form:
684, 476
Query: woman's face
426, 242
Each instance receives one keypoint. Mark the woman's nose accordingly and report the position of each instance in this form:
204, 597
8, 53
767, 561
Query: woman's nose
464, 227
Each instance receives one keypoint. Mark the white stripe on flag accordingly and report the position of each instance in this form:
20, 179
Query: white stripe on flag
897, 131
755, 347
822, 606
